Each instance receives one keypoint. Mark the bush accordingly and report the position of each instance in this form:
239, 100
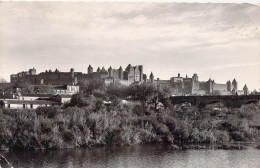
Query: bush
86, 121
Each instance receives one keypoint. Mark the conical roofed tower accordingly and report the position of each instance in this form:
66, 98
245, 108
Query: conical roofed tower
151, 77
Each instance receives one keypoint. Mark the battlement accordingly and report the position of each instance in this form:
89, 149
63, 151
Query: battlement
192, 86
130, 75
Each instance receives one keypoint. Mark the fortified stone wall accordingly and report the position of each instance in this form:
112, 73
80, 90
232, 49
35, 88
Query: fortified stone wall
130, 75
220, 87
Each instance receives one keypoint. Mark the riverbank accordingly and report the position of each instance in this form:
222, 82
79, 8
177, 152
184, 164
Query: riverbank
125, 124
216, 146
141, 156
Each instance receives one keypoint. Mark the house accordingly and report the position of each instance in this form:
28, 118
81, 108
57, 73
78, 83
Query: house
66, 89
63, 98
6, 96
28, 104
28, 96
32, 101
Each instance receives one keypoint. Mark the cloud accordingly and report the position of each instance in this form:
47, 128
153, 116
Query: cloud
183, 37
226, 66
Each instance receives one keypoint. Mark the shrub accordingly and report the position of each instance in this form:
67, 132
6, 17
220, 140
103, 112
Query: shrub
86, 121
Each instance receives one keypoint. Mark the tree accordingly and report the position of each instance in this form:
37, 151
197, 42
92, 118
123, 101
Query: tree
164, 94
45, 89
2, 80
6, 87
28, 88
2, 104
78, 100
87, 86
117, 91
145, 93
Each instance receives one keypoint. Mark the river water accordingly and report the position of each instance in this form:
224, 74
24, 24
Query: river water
137, 156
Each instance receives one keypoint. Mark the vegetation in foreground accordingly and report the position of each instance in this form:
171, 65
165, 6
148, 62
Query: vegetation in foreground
87, 122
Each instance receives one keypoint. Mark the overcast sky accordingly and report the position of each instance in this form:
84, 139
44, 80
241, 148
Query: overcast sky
218, 41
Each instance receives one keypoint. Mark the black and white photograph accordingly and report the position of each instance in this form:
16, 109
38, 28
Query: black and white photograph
129, 84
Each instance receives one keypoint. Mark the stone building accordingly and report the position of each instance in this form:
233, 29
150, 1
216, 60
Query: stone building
45, 78
131, 74
192, 86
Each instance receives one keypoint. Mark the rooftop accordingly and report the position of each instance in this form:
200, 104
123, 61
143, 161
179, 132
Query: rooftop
30, 102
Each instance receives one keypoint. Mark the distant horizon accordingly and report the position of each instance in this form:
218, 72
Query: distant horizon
123, 67
214, 40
